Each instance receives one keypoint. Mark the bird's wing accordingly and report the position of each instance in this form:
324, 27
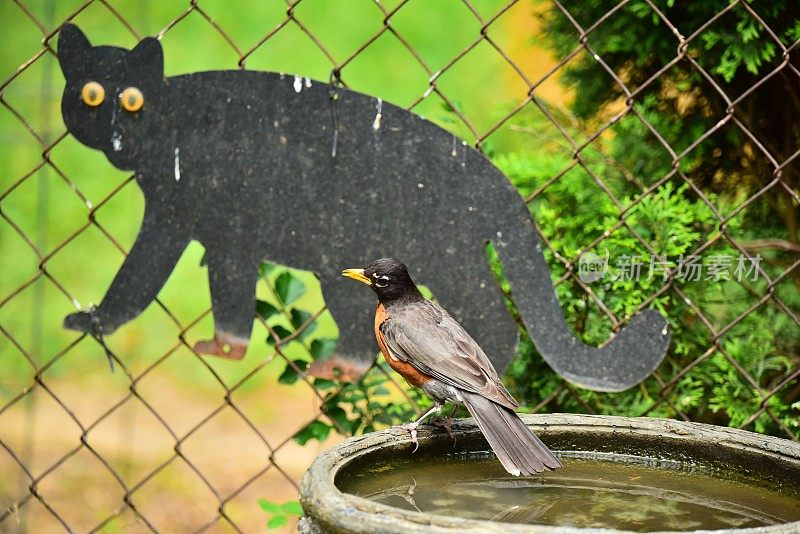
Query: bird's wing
428, 338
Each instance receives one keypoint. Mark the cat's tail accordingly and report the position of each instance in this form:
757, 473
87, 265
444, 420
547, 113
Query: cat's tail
620, 363
519, 450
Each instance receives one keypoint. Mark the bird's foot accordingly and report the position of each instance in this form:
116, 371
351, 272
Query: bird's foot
411, 428
445, 423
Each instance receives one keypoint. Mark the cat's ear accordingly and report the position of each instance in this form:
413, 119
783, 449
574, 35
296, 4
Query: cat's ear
73, 49
148, 57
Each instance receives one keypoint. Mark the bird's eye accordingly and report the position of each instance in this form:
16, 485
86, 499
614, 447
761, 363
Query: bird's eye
381, 281
132, 99
93, 94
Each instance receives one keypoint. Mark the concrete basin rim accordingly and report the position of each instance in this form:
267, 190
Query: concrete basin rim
321, 498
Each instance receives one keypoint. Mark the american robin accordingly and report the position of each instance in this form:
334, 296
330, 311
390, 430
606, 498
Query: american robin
428, 348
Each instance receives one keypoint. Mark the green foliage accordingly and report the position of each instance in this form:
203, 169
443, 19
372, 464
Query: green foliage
288, 288
356, 408
735, 46
347, 408
279, 513
672, 219
571, 213
736, 51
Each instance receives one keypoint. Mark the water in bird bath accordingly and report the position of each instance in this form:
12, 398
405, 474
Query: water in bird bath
591, 490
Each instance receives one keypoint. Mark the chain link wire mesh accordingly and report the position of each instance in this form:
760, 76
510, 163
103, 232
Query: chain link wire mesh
172, 440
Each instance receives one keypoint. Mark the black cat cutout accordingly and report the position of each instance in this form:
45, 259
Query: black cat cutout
255, 166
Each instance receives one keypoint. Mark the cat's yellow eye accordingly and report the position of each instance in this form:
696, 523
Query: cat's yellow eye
93, 94
132, 99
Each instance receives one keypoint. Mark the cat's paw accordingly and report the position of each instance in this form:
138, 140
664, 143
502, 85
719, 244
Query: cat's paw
223, 345
80, 322
336, 367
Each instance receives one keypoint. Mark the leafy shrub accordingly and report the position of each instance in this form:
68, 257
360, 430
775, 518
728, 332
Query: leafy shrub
279, 513
727, 167
347, 408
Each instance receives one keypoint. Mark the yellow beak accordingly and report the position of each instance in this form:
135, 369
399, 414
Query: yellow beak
357, 274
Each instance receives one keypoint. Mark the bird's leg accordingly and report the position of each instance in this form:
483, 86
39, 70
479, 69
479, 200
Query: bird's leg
437, 407
409, 495
412, 426
446, 423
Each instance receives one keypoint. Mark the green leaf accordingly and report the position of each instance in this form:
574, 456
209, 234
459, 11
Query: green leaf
289, 288
323, 384
265, 268
293, 508
299, 318
320, 348
269, 506
337, 414
315, 430
280, 331
289, 375
355, 424
276, 522
280, 513
265, 310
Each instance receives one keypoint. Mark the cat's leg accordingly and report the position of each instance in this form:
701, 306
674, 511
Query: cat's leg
232, 280
149, 263
353, 312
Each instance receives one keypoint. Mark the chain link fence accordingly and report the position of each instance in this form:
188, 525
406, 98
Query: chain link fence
172, 440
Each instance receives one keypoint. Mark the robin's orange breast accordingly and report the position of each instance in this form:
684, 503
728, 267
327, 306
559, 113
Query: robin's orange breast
412, 375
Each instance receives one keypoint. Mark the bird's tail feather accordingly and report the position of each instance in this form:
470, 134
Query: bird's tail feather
517, 448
